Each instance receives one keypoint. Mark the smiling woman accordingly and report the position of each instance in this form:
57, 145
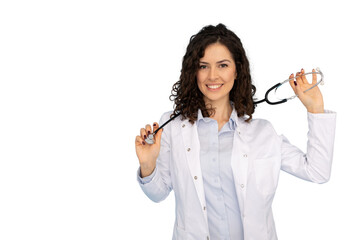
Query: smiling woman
223, 165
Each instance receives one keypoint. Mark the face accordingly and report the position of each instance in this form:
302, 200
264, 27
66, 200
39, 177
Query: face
216, 73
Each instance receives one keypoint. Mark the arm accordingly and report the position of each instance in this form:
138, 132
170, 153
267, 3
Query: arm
315, 165
156, 184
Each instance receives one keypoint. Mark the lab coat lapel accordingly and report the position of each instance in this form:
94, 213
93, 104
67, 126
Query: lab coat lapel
240, 162
192, 150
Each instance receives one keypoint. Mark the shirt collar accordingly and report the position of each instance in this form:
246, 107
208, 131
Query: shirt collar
232, 120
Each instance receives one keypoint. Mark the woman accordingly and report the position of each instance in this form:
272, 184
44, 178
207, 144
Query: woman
223, 165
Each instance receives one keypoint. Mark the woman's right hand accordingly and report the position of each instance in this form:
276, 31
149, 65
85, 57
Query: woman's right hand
148, 153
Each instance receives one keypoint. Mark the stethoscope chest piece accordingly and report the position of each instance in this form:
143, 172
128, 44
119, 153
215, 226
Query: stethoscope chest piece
150, 139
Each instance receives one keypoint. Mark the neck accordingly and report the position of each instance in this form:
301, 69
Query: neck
223, 110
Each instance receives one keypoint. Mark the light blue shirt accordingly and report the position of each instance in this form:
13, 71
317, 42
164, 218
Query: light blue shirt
223, 210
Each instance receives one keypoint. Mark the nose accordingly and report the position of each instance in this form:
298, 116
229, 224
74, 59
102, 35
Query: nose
213, 74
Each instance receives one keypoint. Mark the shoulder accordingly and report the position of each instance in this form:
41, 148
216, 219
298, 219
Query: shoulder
260, 122
165, 117
260, 125
170, 120
260, 132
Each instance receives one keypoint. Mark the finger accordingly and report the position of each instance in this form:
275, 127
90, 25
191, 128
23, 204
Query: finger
292, 82
158, 136
303, 77
298, 90
143, 133
148, 129
139, 141
314, 77
155, 126
295, 83
298, 78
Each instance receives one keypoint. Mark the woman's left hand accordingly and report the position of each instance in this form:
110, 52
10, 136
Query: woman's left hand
312, 100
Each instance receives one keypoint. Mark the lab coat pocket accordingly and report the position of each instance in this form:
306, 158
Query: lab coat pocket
266, 174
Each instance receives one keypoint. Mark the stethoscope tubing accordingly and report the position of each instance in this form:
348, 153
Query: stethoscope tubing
266, 96
172, 118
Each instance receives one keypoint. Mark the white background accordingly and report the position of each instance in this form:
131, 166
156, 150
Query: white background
78, 79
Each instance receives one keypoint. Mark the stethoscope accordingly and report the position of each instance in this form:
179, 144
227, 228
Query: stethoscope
278, 85
150, 137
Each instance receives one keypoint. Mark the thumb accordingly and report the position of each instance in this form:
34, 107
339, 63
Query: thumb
158, 137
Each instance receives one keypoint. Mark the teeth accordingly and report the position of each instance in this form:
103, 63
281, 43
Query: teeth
214, 86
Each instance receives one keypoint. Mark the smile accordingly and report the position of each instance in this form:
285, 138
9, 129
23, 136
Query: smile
213, 87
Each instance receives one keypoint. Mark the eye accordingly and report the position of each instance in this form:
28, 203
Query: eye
202, 66
223, 65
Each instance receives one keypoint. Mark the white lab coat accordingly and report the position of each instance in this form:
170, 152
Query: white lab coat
258, 155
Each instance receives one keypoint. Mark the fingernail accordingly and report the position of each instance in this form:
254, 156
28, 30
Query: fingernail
143, 143
144, 136
154, 125
295, 83
148, 132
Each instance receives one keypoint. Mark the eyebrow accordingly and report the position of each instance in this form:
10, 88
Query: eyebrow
221, 61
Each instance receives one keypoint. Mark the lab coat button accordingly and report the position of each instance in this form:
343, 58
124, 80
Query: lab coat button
204, 208
195, 177
183, 125
188, 149
207, 238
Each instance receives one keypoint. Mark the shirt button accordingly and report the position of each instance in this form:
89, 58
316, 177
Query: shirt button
195, 177
242, 186
183, 125
188, 149
204, 208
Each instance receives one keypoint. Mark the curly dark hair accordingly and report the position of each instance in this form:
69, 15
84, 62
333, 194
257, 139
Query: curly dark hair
185, 93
